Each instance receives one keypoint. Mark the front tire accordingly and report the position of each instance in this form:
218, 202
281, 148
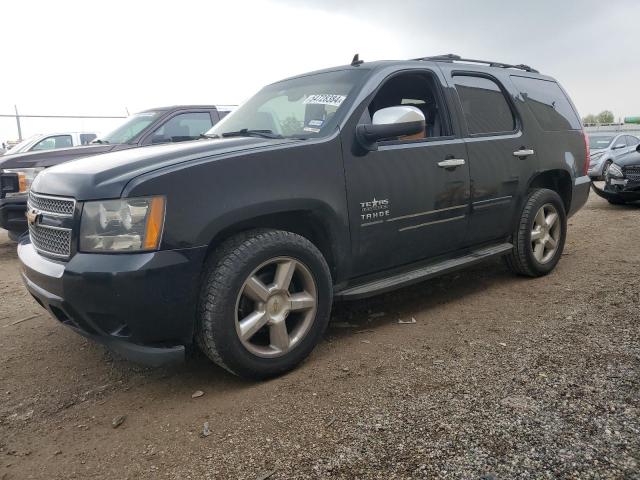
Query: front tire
539, 236
265, 303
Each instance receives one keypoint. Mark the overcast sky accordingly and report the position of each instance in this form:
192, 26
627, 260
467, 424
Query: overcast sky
100, 57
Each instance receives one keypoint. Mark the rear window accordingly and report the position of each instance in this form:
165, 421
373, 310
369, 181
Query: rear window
548, 103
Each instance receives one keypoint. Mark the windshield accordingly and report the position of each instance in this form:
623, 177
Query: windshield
130, 128
600, 141
302, 107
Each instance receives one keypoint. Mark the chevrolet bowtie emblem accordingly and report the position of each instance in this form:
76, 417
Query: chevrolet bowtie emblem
32, 216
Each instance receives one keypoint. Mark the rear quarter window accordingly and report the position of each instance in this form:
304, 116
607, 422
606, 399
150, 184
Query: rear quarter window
548, 103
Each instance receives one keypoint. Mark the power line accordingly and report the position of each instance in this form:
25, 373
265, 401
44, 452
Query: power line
60, 116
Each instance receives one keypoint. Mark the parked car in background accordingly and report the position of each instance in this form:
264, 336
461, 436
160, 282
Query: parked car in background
51, 141
606, 148
150, 127
343, 183
622, 182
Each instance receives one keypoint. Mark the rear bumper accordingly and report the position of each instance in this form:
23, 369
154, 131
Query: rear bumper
141, 306
580, 194
12, 214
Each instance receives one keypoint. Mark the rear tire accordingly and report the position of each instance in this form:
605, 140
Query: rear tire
540, 234
265, 302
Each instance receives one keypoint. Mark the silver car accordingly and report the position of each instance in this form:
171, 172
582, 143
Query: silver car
605, 148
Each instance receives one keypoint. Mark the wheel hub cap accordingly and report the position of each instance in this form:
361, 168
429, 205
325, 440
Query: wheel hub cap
278, 305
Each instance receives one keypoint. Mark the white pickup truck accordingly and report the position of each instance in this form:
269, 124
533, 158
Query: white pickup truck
52, 141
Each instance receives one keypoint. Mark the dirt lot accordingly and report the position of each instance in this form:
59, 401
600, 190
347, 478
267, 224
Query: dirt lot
500, 377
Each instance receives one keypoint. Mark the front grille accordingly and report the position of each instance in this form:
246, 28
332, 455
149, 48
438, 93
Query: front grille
52, 205
51, 240
632, 173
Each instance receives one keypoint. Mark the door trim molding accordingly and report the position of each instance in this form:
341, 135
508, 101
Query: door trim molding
450, 219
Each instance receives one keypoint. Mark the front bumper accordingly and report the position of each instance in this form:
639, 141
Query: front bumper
630, 192
580, 194
142, 306
12, 214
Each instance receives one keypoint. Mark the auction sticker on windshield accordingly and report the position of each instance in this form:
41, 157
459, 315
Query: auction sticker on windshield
325, 99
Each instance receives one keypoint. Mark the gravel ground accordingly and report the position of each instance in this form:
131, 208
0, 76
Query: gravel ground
499, 378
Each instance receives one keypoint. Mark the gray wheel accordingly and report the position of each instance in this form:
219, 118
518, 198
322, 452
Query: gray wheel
265, 302
276, 307
539, 236
546, 233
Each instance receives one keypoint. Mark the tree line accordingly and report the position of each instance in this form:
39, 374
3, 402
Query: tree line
606, 116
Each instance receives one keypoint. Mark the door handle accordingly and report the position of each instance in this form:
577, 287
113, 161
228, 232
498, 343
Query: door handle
523, 152
451, 163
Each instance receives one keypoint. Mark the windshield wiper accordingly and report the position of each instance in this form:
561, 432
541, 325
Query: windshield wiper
204, 135
245, 132
97, 140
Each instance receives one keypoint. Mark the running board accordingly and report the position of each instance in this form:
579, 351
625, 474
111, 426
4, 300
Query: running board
414, 276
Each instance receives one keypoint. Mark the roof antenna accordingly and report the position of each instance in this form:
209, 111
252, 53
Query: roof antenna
356, 60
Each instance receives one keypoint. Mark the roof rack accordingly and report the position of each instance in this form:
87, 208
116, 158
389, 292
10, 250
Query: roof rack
450, 57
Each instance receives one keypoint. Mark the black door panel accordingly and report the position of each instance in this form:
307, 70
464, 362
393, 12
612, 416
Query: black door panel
403, 207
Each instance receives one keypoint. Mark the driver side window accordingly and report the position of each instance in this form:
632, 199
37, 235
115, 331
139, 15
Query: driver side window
186, 126
56, 141
414, 89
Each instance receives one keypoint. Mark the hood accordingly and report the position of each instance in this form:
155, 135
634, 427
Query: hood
47, 158
105, 176
595, 151
631, 158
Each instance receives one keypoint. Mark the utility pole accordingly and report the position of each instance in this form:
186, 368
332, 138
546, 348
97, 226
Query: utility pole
18, 122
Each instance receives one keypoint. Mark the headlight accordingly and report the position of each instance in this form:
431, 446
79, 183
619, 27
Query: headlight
595, 158
615, 171
126, 224
25, 178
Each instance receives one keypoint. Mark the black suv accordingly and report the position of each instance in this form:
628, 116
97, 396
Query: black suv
158, 125
338, 184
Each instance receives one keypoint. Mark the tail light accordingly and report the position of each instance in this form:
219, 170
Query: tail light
588, 153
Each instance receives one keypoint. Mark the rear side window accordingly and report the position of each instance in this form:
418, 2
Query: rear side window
485, 107
549, 104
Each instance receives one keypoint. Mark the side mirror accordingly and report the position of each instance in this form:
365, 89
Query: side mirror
390, 122
619, 146
638, 148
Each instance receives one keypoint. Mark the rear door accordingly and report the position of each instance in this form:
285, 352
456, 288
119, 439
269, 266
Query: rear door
501, 155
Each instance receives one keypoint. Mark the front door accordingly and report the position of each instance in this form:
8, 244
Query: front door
408, 200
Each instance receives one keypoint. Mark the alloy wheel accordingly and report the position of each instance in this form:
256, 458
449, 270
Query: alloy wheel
276, 307
545, 233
